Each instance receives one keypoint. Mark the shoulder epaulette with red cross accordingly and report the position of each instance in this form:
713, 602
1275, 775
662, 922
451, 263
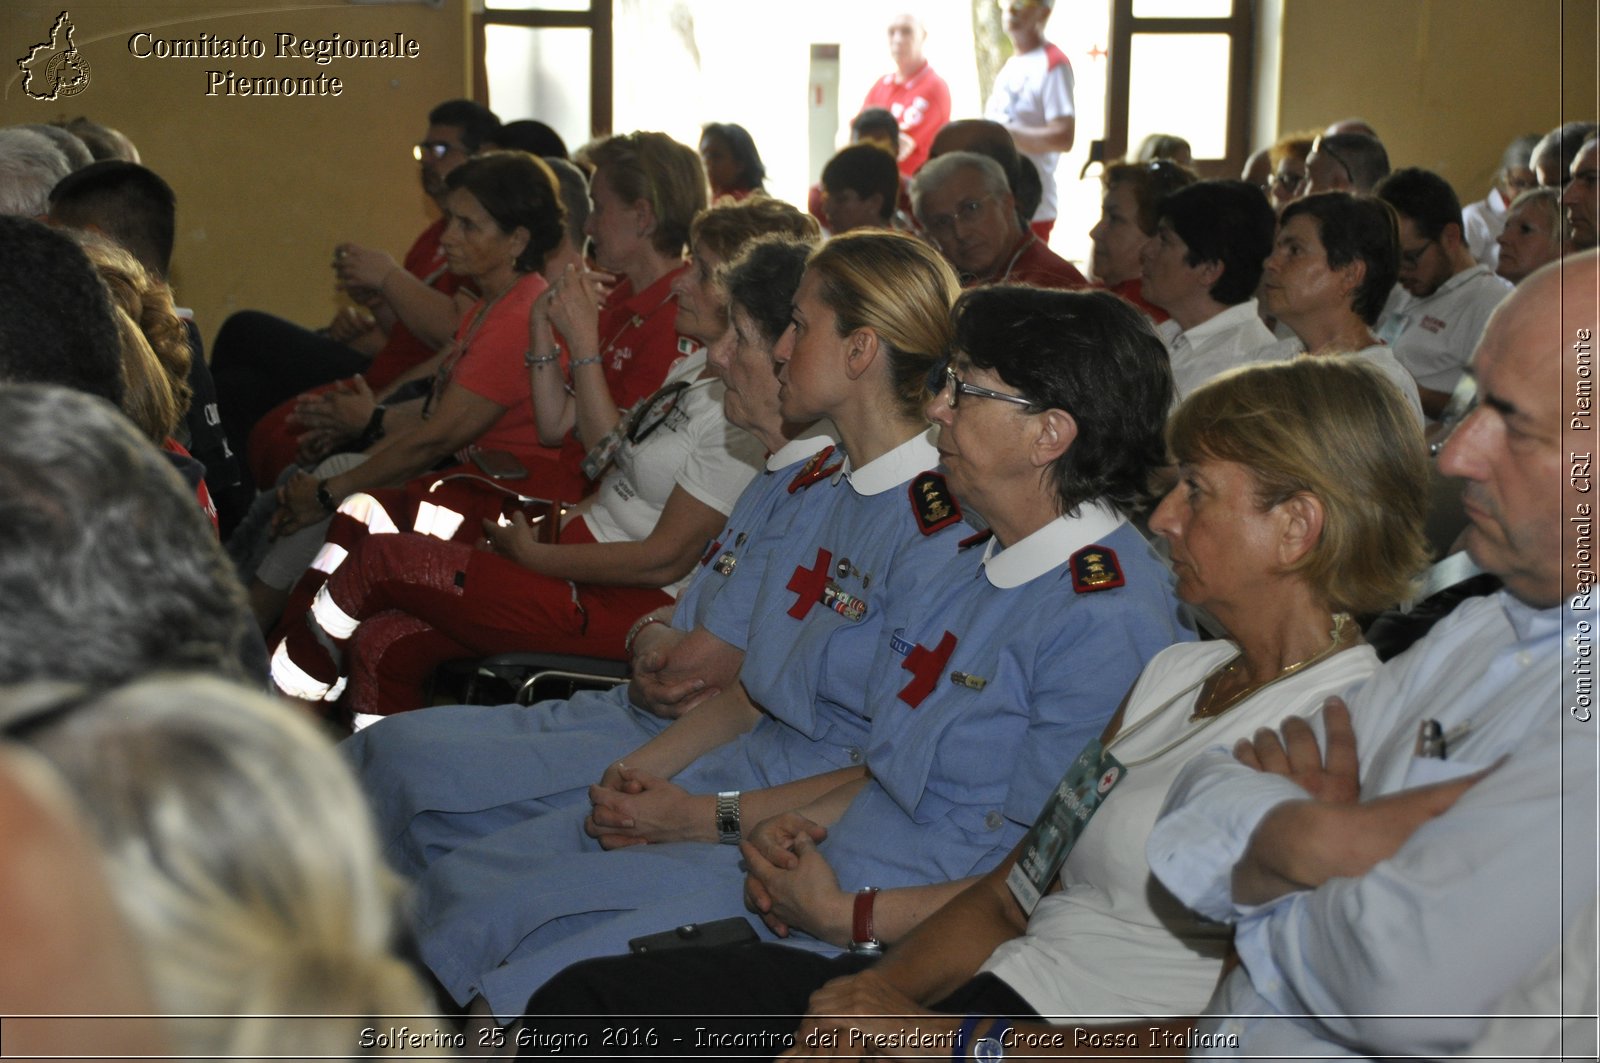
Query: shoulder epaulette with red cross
977, 538
816, 469
1095, 568
933, 503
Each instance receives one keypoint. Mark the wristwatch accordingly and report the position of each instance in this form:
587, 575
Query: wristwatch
324, 497
728, 832
862, 939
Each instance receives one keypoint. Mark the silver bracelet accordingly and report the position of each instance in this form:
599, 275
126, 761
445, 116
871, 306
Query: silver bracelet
638, 626
585, 361
530, 359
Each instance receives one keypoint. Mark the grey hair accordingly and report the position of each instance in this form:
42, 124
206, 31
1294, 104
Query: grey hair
108, 569
30, 166
76, 151
936, 172
241, 853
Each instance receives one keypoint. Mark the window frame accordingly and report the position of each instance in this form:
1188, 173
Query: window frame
1239, 27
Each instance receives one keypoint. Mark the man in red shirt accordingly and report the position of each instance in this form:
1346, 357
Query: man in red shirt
918, 98
967, 210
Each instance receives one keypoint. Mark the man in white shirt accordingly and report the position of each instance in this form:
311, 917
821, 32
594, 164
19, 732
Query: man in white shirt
1032, 98
1202, 268
1435, 324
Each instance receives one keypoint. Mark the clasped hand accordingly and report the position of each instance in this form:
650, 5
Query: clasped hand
791, 885
333, 417
574, 306
666, 676
632, 807
297, 505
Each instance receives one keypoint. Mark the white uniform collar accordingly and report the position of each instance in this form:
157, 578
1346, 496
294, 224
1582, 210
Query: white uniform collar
917, 454
801, 446
1050, 546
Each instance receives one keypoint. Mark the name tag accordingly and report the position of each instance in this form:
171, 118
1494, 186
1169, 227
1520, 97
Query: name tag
1072, 804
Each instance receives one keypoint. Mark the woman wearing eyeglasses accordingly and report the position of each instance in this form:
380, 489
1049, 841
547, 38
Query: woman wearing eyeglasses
1333, 264
1128, 222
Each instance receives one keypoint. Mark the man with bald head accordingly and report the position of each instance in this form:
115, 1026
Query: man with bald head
918, 98
1351, 125
1345, 162
1393, 868
965, 207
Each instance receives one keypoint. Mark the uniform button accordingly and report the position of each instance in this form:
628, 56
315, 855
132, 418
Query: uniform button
993, 820
854, 753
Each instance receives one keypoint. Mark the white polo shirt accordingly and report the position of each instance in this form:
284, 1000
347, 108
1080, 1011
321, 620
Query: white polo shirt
1434, 336
1031, 89
1234, 337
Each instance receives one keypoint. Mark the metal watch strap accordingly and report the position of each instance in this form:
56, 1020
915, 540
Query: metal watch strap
862, 938
728, 832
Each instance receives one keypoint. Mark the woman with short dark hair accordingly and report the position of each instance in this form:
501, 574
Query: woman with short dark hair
1333, 264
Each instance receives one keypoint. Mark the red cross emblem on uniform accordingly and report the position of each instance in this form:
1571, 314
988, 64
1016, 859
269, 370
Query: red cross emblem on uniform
926, 666
807, 583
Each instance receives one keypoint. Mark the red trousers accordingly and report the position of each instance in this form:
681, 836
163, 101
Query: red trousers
401, 605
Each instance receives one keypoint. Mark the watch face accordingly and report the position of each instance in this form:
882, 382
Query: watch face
988, 1049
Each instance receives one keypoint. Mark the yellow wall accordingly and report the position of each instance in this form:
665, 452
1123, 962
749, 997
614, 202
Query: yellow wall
1447, 83
265, 185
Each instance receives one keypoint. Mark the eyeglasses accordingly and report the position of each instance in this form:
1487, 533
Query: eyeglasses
942, 224
958, 387
432, 149
1413, 258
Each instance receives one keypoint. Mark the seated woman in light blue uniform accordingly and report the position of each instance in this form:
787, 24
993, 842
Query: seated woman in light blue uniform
440, 777
869, 322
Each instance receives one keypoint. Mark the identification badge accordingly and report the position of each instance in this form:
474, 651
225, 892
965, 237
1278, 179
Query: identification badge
1070, 806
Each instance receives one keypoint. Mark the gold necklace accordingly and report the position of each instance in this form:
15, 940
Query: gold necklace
1207, 706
